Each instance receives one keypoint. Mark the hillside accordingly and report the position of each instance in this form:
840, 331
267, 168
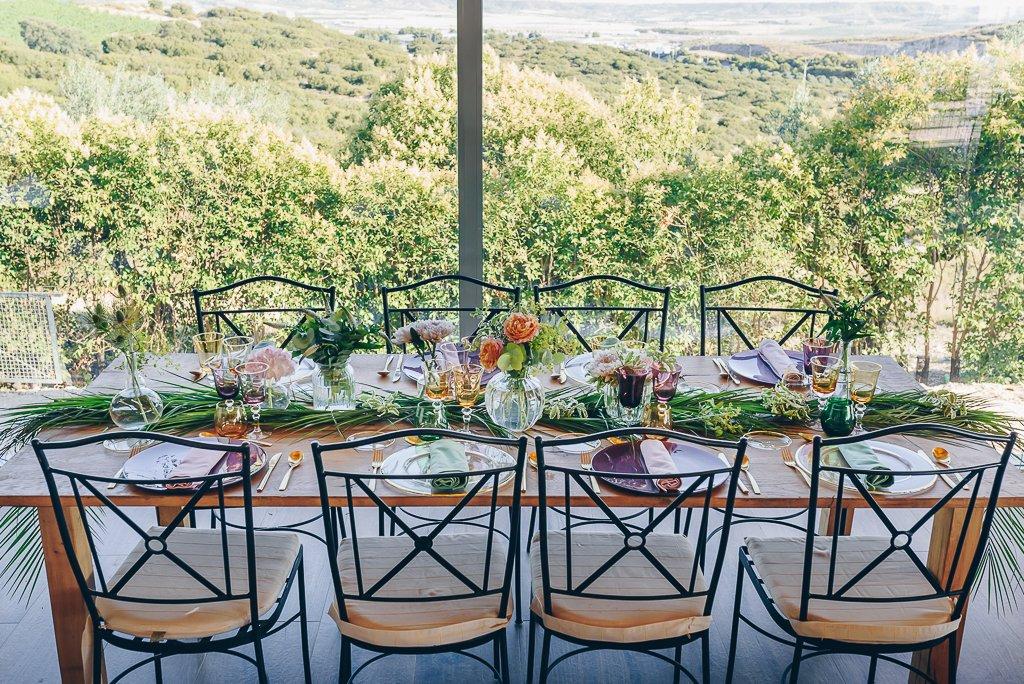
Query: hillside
326, 77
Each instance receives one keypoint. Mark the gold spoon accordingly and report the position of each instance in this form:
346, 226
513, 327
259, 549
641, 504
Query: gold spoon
294, 459
943, 458
745, 467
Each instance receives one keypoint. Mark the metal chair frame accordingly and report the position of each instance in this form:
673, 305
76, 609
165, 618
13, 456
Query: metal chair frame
725, 312
222, 317
409, 314
486, 487
805, 648
638, 535
93, 486
640, 313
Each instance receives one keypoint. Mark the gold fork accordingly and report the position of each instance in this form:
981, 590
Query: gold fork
585, 463
376, 461
789, 459
120, 473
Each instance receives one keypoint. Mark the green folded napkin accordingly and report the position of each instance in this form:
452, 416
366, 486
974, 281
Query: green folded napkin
862, 457
447, 456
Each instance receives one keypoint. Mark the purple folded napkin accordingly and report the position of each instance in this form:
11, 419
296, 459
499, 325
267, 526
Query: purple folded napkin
195, 463
659, 461
776, 358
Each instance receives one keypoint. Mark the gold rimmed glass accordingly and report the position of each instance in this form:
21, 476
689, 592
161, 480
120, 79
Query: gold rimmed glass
466, 380
824, 375
863, 384
208, 346
252, 386
236, 350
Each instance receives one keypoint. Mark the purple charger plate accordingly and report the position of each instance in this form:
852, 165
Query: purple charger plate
415, 364
626, 458
230, 462
750, 366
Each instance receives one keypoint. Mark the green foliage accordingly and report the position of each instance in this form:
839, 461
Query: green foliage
47, 37
333, 338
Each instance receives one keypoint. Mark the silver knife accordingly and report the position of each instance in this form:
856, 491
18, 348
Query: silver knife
728, 371
270, 468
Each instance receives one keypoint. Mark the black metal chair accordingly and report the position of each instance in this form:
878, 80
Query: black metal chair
631, 587
180, 590
397, 316
871, 595
224, 315
726, 313
426, 589
637, 317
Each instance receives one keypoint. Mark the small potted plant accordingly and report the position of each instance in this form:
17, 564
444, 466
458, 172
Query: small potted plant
329, 340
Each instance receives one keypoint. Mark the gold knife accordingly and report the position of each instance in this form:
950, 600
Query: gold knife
270, 468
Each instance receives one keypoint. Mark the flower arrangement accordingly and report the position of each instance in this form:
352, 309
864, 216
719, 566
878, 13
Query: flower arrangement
522, 340
279, 362
846, 322
330, 339
122, 325
424, 336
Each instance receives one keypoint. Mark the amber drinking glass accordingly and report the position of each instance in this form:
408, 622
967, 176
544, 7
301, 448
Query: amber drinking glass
230, 421
863, 383
466, 380
824, 375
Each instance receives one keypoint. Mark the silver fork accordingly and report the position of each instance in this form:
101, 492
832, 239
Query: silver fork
585, 463
789, 459
120, 473
376, 461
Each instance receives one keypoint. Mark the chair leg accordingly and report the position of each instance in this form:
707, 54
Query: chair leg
705, 658
380, 522
261, 664
872, 669
794, 671
678, 656
733, 637
97, 658
952, 658
530, 648
689, 518
496, 656
345, 668
158, 670
545, 657
505, 679
518, 576
676, 521
304, 626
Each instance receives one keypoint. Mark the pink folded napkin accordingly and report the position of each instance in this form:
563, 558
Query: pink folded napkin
658, 460
194, 463
776, 358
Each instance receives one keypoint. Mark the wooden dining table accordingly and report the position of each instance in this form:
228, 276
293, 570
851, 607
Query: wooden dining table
22, 484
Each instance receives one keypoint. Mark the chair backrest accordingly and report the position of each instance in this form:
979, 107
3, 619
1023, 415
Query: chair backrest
574, 300
342, 486
699, 488
420, 301
217, 309
90, 496
980, 487
726, 313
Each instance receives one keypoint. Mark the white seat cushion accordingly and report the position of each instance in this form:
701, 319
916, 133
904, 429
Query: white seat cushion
422, 623
201, 550
619, 621
780, 563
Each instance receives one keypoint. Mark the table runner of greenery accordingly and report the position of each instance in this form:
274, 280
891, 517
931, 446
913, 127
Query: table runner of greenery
726, 413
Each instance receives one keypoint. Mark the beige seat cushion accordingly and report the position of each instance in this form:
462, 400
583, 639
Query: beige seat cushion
201, 550
424, 623
611, 620
780, 564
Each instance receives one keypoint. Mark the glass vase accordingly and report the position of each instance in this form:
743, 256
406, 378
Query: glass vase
514, 402
136, 407
613, 410
334, 387
838, 416
279, 395
634, 393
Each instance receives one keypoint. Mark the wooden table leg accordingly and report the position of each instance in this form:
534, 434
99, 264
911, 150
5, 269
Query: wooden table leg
946, 528
165, 514
829, 518
72, 627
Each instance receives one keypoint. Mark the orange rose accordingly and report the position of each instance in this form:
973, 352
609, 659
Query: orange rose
521, 328
490, 350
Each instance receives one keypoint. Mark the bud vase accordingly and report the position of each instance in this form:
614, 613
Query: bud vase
838, 414
514, 402
136, 407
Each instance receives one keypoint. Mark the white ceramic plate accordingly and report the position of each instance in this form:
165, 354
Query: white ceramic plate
578, 368
413, 460
895, 458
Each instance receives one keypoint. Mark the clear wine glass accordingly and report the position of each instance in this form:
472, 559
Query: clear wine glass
252, 384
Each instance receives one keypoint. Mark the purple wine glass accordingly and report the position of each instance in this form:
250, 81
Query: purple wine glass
665, 382
816, 346
631, 387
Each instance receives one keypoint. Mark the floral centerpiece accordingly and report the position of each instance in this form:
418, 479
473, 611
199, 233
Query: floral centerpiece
846, 324
329, 340
280, 365
122, 325
425, 336
519, 343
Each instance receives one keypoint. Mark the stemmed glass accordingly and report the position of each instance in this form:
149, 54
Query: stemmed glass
467, 378
237, 350
229, 420
863, 383
437, 382
666, 381
208, 346
824, 375
225, 382
252, 382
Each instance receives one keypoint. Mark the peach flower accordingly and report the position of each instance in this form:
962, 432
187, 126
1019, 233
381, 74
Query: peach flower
521, 328
490, 350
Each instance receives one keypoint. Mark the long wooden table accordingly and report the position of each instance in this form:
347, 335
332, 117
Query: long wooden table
22, 484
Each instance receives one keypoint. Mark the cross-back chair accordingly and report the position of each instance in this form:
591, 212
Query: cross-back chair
873, 595
726, 314
396, 316
427, 589
627, 586
637, 317
180, 590
224, 317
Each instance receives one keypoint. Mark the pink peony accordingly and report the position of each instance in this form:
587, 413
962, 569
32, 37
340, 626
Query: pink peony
433, 330
279, 362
